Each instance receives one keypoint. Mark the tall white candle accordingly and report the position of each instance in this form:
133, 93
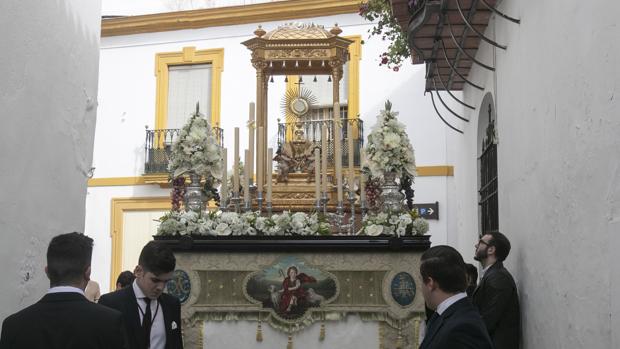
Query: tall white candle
269, 173
317, 173
324, 156
338, 151
236, 162
351, 154
251, 132
224, 189
246, 180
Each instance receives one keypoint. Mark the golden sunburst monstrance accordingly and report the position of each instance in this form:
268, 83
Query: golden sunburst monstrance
296, 103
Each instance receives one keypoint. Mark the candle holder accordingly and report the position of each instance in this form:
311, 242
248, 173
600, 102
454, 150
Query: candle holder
236, 200
224, 204
247, 206
324, 201
339, 216
317, 205
363, 208
259, 201
269, 207
352, 200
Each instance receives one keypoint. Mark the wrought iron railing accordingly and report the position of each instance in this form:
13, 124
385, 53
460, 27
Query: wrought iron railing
415, 6
158, 146
312, 132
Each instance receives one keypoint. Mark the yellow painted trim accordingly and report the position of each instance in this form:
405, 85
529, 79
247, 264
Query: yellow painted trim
291, 80
355, 53
116, 181
430, 171
118, 208
188, 56
223, 16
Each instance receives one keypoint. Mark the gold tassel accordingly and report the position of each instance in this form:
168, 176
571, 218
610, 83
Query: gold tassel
259, 332
399, 339
322, 333
416, 331
381, 335
290, 342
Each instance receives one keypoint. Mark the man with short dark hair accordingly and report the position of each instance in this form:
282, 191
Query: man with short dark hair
124, 279
472, 278
64, 318
496, 295
456, 324
153, 318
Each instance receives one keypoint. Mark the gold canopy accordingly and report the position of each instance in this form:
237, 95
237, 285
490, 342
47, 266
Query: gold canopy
299, 49
293, 49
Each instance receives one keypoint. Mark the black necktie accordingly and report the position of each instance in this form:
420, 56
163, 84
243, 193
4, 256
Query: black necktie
147, 322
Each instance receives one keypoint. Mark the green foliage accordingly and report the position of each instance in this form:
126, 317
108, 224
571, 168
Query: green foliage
388, 28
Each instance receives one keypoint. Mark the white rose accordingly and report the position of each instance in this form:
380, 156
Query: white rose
374, 230
223, 229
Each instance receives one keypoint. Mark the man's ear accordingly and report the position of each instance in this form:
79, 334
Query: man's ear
87, 273
430, 283
138, 271
491, 250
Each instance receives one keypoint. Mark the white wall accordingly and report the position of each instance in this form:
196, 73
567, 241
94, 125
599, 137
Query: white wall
49, 61
127, 103
558, 163
98, 223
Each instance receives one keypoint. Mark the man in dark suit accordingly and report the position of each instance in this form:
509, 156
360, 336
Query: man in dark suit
456, 324
496, 295
152, 318
64, 318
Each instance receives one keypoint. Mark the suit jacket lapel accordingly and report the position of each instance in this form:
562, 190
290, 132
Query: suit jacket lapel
496, 266
168, 318
428, 337
134, 317
132, 309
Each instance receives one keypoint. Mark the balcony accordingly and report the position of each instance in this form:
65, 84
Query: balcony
311, 131
158, 147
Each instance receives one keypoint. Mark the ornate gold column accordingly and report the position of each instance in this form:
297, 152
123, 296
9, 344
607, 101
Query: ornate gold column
261, 121
336, 66
266, 116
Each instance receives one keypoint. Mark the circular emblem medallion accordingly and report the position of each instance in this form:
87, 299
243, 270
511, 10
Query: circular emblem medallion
299, 106
179, 286
403, 289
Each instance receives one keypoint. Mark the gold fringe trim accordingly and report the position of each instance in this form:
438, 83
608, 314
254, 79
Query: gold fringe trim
259, 332
289, 345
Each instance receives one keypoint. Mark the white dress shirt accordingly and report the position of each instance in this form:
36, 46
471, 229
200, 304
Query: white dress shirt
59, 289
158, 329
449, 301
484, 271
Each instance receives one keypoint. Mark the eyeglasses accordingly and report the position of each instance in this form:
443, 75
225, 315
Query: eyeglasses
484, 242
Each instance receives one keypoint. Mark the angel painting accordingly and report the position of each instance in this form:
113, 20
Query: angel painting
290, 295
293, 294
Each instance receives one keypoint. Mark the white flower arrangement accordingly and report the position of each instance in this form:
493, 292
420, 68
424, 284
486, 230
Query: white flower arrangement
388, 148
196, 150
394, 223
250, 223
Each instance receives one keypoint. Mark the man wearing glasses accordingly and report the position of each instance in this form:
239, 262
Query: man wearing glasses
496, 295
